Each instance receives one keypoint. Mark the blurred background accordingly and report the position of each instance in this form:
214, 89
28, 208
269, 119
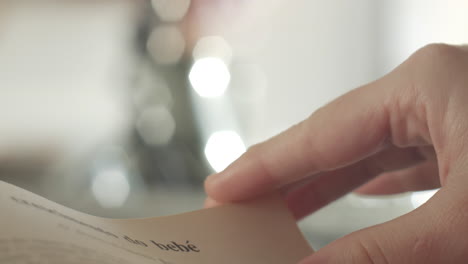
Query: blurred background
121, 108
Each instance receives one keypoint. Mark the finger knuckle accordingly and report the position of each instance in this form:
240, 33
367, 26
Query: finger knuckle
438, 60
435, 53
442, 240
423, 245
368, 252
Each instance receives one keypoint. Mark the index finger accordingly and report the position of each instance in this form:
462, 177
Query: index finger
348, 129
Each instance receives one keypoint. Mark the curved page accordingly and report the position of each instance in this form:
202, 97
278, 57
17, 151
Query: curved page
35, 230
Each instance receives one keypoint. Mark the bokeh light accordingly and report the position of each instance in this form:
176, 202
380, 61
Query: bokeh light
111, 188
156, 126
171, 10
151, 89
213, 46
166, 44
210, 77
222, 148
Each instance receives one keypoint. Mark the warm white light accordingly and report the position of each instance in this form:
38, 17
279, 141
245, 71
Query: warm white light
111, 188
210, 77
419, 198
222, 148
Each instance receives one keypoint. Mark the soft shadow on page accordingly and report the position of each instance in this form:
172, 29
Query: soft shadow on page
35, 230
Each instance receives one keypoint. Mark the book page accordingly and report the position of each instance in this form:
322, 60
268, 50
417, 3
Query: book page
35, 230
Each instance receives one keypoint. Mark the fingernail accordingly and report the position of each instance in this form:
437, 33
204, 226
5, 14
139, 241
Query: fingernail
213, 179
210, 180
209, 203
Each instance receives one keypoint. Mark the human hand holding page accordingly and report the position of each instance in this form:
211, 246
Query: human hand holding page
35, 230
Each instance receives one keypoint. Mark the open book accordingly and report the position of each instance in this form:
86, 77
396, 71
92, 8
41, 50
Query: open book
35, 230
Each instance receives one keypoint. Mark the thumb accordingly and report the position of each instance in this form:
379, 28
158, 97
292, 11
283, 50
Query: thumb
433, 233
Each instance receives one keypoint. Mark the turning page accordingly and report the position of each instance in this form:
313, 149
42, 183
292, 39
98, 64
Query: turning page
35, 230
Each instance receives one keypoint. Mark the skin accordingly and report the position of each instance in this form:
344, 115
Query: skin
407, 131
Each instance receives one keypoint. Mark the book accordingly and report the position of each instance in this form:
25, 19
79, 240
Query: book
34, 230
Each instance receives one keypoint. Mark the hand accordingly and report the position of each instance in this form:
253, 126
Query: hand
407, 131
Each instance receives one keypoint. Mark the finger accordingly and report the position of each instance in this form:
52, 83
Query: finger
209, 203
332, 185
430, 234
349, 129
421, 177
393, 158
